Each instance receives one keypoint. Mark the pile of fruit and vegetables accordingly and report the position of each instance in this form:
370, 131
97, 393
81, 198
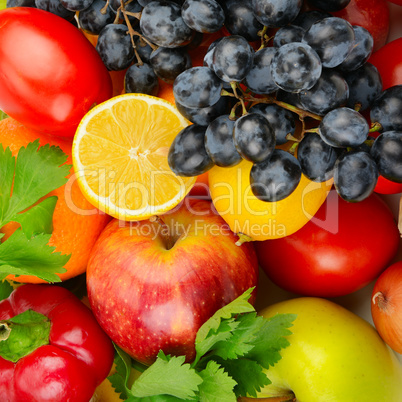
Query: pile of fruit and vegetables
199, 200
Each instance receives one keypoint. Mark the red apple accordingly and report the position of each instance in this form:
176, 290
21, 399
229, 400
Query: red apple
386, 306
152, 284
370, 14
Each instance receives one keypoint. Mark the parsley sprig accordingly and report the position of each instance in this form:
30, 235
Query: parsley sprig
24, 181
234, 349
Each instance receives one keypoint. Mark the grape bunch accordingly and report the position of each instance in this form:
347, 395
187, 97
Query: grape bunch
305, 102
288, 90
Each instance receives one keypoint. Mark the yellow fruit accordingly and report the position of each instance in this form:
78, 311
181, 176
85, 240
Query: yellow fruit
232, 197
120, 157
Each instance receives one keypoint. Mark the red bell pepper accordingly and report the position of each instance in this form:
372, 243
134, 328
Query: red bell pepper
51, 346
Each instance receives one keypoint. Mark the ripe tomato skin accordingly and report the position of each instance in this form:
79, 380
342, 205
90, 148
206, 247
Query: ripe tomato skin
354, 243
385, 186
370, 14
388, 61
50, 74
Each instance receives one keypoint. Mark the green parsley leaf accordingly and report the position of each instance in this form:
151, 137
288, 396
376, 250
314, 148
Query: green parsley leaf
217, 385
5, 289
168, 375
22, 256
3, 5
271, 339
248, 374
23, 182
120, 378
37, 172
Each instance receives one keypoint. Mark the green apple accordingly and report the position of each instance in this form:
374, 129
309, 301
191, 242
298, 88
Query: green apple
334, 356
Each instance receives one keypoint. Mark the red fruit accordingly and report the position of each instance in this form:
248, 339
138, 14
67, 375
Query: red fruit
152, 285
370, 14
388, 61
386, 306
343, 248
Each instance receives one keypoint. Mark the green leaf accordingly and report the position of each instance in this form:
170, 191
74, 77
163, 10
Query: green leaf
216, 386
248, 374
22, 256
3, 5
242, 340
168, 375
22, 334
38, 219
271, 339
5, 289
119, 379
212, 327
38, 171
7, 166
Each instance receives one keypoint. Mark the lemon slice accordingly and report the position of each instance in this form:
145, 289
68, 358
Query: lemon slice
120, 157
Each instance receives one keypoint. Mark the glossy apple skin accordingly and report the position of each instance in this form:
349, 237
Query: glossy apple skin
334, 356
148, 297
370, 14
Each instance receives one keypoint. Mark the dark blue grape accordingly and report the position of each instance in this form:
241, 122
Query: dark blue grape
259, 79
92, 20
232, 58
141, 78
254, 137
308, 18
295, 66
161, 22
361, 50
288, 34
144, 50
114, 47
387, 109
387, 153
331, 91
355, 176
332, 38
344, 127
276, 13
281, 120
365, 85
205, 115
205, 16
292, 98
130, 7
209, 54
219, 142
197, 87
240, 19
275, 178
187, 155
316, 157
329, 5
168, 63
20, 3
76, 5
55, 7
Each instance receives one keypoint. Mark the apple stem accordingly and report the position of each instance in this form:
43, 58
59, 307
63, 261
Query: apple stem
380, 299
243, 238
165, 232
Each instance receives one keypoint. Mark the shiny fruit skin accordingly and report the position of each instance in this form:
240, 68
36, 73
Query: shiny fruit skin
51, 74
388, 61
342, 249
386, 306
148, 296
370, 14
334, 355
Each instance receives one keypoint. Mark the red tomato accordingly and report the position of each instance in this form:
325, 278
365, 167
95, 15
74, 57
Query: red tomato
388, 61
343, 248
385, 186
370, 14
50, 74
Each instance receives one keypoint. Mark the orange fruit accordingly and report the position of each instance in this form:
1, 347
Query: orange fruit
76, 223
120, 157
258, 220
